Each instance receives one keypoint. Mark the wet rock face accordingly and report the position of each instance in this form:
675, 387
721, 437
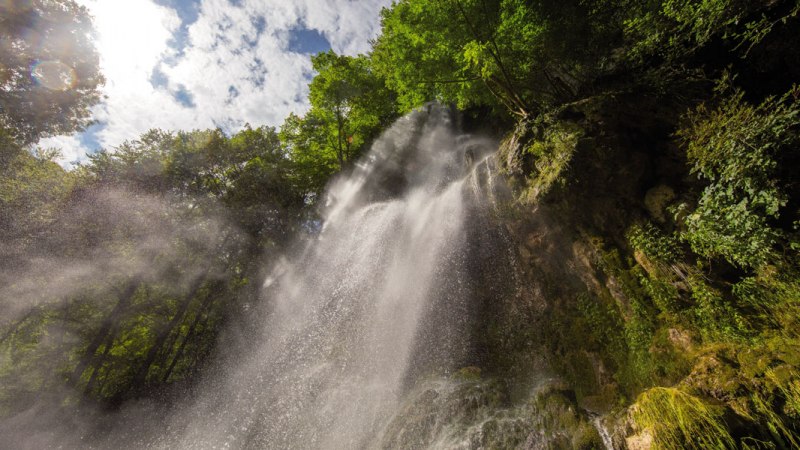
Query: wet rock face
479, 414
569, 293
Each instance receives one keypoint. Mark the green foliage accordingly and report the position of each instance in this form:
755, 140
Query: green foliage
716, 318
659, 272
738, 149
308, 143
667, 280
33, 188
22, 356
651, 241
551, 154
658, 256
604, 321
49, 68
655, 308
673, 29
678, 420
745, 154
511, 54
36, 184
249, 173
350, 105
648, 339
117, 334
663, 293
634, 330
153, 231
419, 52
773, 299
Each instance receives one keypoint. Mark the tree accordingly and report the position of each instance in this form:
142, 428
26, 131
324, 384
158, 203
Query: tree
307, 141
518, 55
248, 173
33, 187
350, 104
124, 269
675, 30
49, 68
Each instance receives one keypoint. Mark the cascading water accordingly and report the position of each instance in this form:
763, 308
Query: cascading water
381, 298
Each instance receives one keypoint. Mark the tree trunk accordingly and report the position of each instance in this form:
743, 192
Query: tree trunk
99, 364
339, 130
141, 374
105, 328
189, 333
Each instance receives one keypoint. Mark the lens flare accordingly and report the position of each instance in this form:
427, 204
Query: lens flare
54, 75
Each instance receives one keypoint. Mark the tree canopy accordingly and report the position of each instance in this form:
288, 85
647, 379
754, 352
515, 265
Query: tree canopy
350, 105
519, 55
49, 68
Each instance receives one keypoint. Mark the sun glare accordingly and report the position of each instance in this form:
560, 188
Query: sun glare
131, 38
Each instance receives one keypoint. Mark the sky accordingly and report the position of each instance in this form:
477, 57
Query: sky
197, 64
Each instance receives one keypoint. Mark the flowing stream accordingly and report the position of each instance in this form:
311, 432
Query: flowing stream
377, 301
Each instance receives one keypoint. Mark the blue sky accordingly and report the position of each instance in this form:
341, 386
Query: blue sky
194, 64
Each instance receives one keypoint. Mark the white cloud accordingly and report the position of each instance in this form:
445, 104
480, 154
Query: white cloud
348, 25
232, 71
70, 147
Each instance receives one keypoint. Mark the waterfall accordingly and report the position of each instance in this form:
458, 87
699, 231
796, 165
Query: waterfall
379, 299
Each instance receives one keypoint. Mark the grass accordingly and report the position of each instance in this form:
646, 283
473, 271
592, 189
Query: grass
678, 420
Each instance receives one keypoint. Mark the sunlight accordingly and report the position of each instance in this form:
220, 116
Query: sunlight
132, 37
394, 224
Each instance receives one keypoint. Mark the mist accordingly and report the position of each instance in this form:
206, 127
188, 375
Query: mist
315, 350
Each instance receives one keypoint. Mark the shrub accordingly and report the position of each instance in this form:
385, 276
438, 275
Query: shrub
737, 148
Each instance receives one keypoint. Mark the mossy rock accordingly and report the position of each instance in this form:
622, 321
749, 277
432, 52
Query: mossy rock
678, 420
656, 201
560, 422
478, 414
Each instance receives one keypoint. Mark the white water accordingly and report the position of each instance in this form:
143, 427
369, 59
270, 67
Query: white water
377, 300
597, 421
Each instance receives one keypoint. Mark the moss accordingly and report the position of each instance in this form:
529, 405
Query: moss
671, 354
678, 420
503, 433
665, 295
715, 317
556, 416
586, 437
581, 371
631, 332
760, 386
470, 373
551, 154
773, 297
